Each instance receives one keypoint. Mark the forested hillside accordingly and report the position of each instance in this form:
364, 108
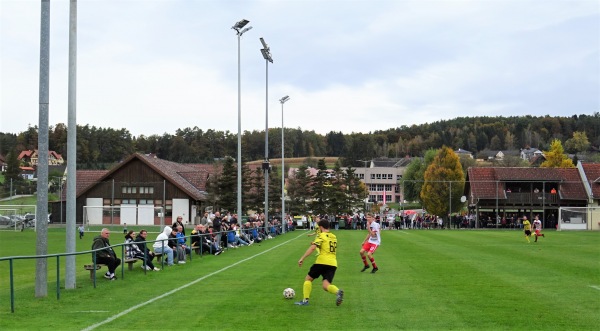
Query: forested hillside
101, 147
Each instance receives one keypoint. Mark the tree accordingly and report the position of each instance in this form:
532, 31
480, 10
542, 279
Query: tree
320, 203
444, 184
356, 190
556, 157
412, 180
228, 186
579, 143
299, 189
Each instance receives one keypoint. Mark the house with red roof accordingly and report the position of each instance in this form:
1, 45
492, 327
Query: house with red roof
516, 192
30, 158
135, 188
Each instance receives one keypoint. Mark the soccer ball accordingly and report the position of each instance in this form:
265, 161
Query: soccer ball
289, 293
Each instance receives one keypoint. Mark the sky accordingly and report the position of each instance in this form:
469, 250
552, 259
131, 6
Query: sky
156, 66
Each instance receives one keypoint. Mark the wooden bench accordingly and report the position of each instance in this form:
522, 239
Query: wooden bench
90, 267
158, 257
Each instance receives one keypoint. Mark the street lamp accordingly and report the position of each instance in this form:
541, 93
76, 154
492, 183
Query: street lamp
266, 53
283, 223
240, 30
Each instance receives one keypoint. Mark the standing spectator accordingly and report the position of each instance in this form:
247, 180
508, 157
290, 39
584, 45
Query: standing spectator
216, 223
124, 228
81, 231
161, 245
370, 244
140, 241
325, 265
106, 255
179, 222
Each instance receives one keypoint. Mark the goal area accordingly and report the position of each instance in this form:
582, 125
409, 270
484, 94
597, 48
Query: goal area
123, 214
578, 218
14, 217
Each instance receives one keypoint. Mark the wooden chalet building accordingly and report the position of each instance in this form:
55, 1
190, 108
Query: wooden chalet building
143, 182
513, 192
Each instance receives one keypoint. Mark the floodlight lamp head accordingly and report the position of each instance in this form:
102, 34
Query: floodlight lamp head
240, 25
245, 30
264, 43
266, 55
284, 99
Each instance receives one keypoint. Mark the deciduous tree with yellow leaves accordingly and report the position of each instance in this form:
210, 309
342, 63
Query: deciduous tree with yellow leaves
444, 184
556, 157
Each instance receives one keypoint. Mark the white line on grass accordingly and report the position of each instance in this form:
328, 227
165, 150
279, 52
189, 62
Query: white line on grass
596, 287
91, 311
114, 317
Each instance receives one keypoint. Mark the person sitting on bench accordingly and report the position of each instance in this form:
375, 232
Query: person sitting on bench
132, 251
106, 255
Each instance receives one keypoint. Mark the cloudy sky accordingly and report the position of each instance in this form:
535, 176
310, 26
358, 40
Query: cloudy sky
153, 66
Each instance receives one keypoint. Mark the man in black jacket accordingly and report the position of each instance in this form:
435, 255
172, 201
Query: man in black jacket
106, 255
141, 244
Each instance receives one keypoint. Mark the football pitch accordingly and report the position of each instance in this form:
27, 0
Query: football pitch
427, 280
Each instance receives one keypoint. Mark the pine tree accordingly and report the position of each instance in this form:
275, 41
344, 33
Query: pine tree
556, 157
299, 189
228, 186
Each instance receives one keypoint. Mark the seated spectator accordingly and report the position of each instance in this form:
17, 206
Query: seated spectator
106, 255
233, 237
140, 243
177, 249
182, 240
162, 245
201, 239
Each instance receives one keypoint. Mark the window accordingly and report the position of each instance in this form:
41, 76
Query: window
390, 176
128, 201
372, 176
378, 176
129, 190
146, 201
361, 176
146, 190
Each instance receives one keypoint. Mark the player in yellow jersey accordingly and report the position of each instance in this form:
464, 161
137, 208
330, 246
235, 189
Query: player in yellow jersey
527, 228
325, 265
317, 232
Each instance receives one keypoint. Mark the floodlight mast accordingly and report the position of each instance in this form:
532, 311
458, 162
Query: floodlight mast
283, 221
266, 166
240, 25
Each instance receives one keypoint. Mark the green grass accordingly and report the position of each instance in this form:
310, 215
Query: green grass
428, 280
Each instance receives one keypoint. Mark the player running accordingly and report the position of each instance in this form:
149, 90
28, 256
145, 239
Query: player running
537, 227
527, 228
325, 265
370, 244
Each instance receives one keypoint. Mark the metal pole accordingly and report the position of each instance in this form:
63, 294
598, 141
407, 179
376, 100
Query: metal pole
283, 221
266, 170
41, 271
239, 151
70, 273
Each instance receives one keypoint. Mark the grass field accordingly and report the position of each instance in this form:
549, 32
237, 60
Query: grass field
428, 280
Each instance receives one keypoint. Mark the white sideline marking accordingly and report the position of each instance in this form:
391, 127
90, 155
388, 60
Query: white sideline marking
596, 287
91, 311
114, 317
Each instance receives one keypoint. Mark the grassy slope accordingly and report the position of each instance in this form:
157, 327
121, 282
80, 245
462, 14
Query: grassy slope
429, 280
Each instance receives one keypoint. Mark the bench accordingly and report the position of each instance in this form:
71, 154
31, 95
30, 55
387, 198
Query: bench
90, 267
158, 257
